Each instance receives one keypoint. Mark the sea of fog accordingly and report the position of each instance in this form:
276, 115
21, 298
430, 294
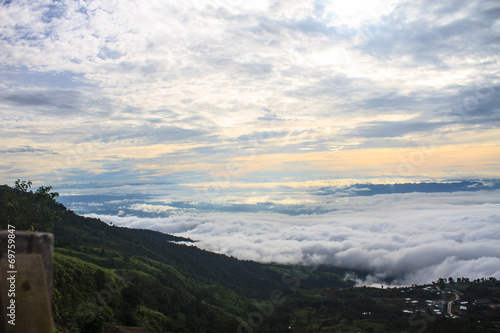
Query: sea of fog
410, 238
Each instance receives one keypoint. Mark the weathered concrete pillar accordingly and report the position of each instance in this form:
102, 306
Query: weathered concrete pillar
33, 242
26, 268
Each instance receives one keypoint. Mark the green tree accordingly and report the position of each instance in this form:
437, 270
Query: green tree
29, 210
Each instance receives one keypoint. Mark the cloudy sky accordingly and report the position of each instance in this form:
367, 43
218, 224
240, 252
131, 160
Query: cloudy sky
185, 109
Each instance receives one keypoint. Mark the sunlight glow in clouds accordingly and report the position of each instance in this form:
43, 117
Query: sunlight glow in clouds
195, 78
354, 13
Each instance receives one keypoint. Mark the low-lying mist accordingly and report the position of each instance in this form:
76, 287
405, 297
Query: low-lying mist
403, 239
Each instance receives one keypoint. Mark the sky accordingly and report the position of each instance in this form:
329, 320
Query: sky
176, 114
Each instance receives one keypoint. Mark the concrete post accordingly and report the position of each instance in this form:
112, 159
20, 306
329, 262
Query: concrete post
26, 268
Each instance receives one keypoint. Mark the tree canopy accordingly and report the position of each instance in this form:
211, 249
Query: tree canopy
30, 210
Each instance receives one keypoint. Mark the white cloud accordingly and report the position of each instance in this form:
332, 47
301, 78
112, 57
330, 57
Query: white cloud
413, 238
152, 208
161, 93
355, 13
230, 68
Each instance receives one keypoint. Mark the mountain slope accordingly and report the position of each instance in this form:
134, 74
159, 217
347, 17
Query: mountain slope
112, 275
107, 275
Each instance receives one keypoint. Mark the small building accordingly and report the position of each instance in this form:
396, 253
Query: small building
125, 329
481, 301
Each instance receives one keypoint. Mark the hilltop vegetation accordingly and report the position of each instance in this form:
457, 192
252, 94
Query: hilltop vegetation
110, 275
107, 275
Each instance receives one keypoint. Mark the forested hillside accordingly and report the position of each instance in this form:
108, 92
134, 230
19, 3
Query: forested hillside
111, 275
107, 275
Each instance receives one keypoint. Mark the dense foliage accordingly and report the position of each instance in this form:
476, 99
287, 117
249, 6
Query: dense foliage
25, 208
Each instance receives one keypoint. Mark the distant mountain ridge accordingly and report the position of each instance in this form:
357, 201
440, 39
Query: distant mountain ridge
115, 205
423, 187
